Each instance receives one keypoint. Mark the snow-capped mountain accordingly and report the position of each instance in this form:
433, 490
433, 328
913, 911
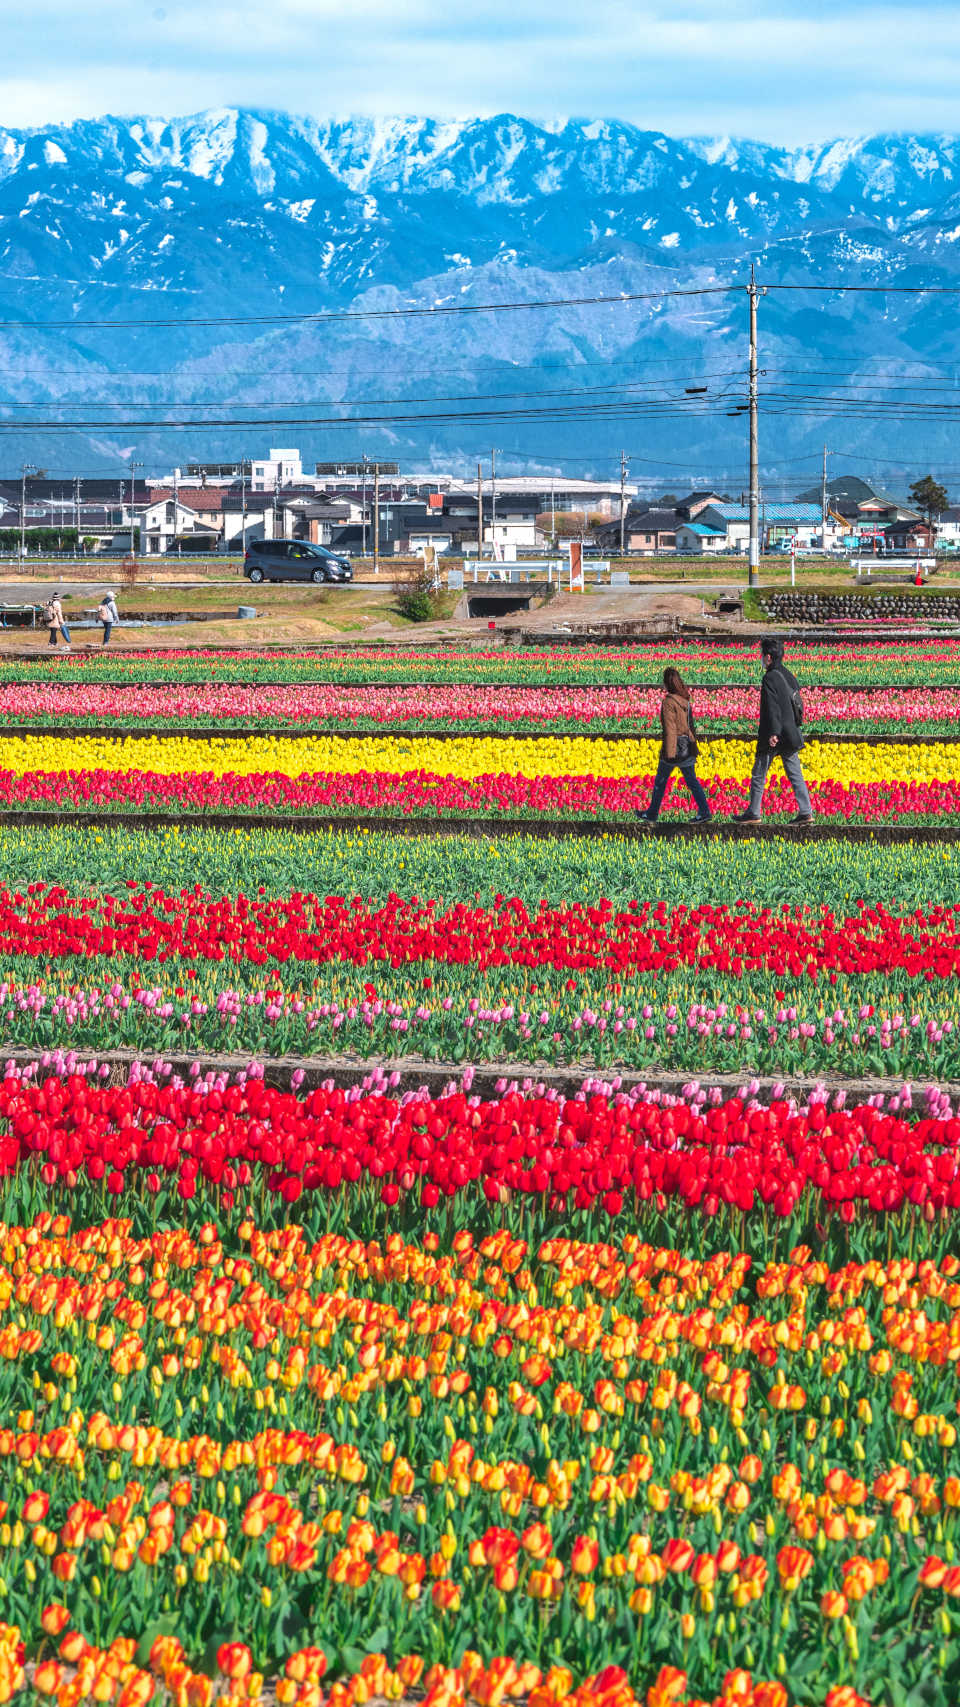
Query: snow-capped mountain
244, 214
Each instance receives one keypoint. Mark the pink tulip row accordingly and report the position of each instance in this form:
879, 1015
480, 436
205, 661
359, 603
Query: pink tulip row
319, 702
565, 1028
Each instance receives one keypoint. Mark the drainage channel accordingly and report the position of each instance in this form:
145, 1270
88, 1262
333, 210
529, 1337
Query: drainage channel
488, 1079
540, 829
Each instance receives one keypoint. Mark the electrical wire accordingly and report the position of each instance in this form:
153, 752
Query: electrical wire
324, 316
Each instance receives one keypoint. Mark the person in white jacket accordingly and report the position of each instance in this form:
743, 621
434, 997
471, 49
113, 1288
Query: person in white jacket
108, 614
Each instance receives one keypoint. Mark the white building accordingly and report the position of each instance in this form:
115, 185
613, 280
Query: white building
552, 493
163, 521
282, 467
948, 529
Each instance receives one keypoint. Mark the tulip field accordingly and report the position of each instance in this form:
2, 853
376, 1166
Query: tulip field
883, 664
469, 1268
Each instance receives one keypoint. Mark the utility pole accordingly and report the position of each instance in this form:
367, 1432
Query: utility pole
76, 506
276, 501
754, 548
823, 501
133, 479
493, 499
176, 505
243, 503
364, 504
553, 511
24, 471
624, 463
376, 518
479, 511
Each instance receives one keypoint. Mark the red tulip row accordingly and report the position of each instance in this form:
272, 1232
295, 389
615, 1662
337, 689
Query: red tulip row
590, 1151
425, 794
51, 923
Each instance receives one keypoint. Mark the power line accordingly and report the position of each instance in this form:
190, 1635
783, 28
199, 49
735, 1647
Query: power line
439, 310
326, 315
572, 391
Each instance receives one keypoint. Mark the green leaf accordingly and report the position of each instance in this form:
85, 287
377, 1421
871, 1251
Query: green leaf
288, 1628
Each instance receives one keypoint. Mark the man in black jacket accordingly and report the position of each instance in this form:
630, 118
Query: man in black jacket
778, 734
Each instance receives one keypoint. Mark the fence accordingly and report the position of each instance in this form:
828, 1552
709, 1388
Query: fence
549, 568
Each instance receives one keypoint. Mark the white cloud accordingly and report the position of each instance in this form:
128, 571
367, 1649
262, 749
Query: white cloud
788, 71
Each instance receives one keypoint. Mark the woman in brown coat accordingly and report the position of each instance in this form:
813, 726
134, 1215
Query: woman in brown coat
678, 749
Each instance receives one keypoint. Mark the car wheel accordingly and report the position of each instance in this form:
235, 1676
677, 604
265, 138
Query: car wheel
318, 576
256, 576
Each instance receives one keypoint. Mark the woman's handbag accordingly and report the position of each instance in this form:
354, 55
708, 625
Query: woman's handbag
687, 745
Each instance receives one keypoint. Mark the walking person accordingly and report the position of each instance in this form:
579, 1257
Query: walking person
778, 735
53, 617
108, 614
678, 749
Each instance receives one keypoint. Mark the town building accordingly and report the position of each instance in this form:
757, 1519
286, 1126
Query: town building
918, 535
948, 528
282, 467
648, 529
700, 539
778, 524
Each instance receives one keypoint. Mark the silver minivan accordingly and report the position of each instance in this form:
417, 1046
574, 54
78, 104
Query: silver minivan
294, 560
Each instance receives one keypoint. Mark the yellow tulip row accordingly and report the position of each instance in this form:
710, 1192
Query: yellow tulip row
468, 757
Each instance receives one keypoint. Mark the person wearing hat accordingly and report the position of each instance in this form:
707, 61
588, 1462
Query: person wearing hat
53, 617
778, 735
108, 613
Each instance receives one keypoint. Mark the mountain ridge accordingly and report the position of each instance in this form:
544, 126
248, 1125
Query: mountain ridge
250, 211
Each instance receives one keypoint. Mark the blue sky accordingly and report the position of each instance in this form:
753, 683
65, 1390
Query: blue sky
789, 72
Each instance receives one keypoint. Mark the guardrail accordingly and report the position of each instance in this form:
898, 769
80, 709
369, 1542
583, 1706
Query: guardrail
516, 574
